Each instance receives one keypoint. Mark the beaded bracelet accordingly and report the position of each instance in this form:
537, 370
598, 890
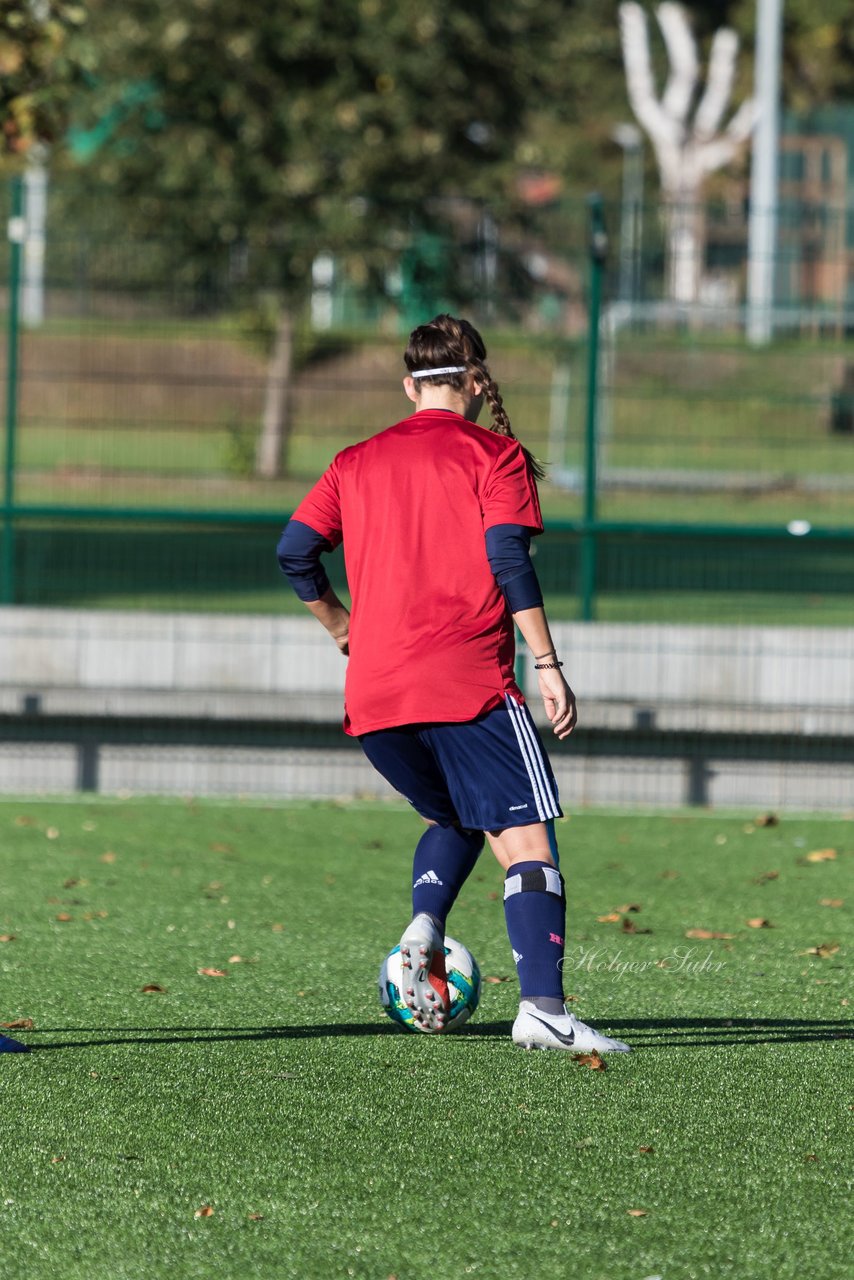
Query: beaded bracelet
547, 666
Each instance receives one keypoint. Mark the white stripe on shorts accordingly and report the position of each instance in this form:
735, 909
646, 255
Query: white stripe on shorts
532, 754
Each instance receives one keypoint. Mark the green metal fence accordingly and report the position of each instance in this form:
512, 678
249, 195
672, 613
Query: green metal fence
691, 477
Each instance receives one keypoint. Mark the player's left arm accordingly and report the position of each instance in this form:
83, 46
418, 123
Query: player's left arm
507, 548
558, 698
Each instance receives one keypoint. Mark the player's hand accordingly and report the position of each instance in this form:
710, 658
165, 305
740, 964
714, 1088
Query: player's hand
343, 642
559, 702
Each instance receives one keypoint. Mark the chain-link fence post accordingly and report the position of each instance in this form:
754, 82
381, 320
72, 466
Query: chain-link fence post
598, 248
16, 235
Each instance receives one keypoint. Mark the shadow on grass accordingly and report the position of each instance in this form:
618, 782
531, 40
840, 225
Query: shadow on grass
642, 1033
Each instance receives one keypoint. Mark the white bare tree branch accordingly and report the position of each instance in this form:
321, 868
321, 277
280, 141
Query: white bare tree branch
684, 67
687, 147
719, 81
639, 79
720, 151
743, 123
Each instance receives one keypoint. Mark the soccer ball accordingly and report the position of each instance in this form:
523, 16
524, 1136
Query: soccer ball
463, 987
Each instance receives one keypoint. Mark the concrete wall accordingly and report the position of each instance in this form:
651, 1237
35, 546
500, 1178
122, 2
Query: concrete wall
212, 704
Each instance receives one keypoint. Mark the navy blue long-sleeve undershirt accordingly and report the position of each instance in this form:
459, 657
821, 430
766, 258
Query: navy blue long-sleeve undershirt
507, 549
299, 551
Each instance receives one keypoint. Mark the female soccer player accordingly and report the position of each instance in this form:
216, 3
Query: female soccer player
436, 515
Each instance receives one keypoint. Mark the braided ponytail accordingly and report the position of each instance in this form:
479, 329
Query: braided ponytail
446, 341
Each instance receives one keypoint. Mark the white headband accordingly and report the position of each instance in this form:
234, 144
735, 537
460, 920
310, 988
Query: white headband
433, 373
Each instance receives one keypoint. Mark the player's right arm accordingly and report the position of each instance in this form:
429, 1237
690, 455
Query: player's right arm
315, 528
334, 616
299, 551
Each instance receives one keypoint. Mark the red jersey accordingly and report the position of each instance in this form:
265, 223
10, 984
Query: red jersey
431, 638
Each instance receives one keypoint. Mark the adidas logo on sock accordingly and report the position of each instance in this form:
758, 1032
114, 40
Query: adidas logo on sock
517, 957
429, 877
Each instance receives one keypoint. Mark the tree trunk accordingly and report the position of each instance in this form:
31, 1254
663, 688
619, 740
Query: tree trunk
271, 455
685, 247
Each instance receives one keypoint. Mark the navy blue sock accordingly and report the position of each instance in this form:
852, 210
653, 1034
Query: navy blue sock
535, 911
443, 860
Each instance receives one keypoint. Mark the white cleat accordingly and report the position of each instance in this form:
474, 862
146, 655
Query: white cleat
536, 1030
424, 984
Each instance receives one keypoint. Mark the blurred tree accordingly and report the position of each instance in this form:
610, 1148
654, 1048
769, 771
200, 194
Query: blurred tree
686, 129
818, 49
37, 71
581, 93
319, 125
245, 132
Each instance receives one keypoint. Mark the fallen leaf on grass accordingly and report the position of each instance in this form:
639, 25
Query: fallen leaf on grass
637, 1213
153, 988
255, 1217
812, 1157
277, 928
8, 937
20, 1024
611, 918
757, 922
491, 977
212, 973
205, 1212
591, 1060
766, 820
109, 856
69, 884
707, 933
95, 915
646, 1151
766, 875
64, 917
821, 855
629, 926
57, 1159
23, 821
831, 902
52, 833
669, 875
824, 949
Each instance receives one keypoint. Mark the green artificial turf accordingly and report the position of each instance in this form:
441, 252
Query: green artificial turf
330, 1144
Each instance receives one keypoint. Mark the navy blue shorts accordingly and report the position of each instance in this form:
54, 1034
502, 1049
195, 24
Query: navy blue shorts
484, 774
